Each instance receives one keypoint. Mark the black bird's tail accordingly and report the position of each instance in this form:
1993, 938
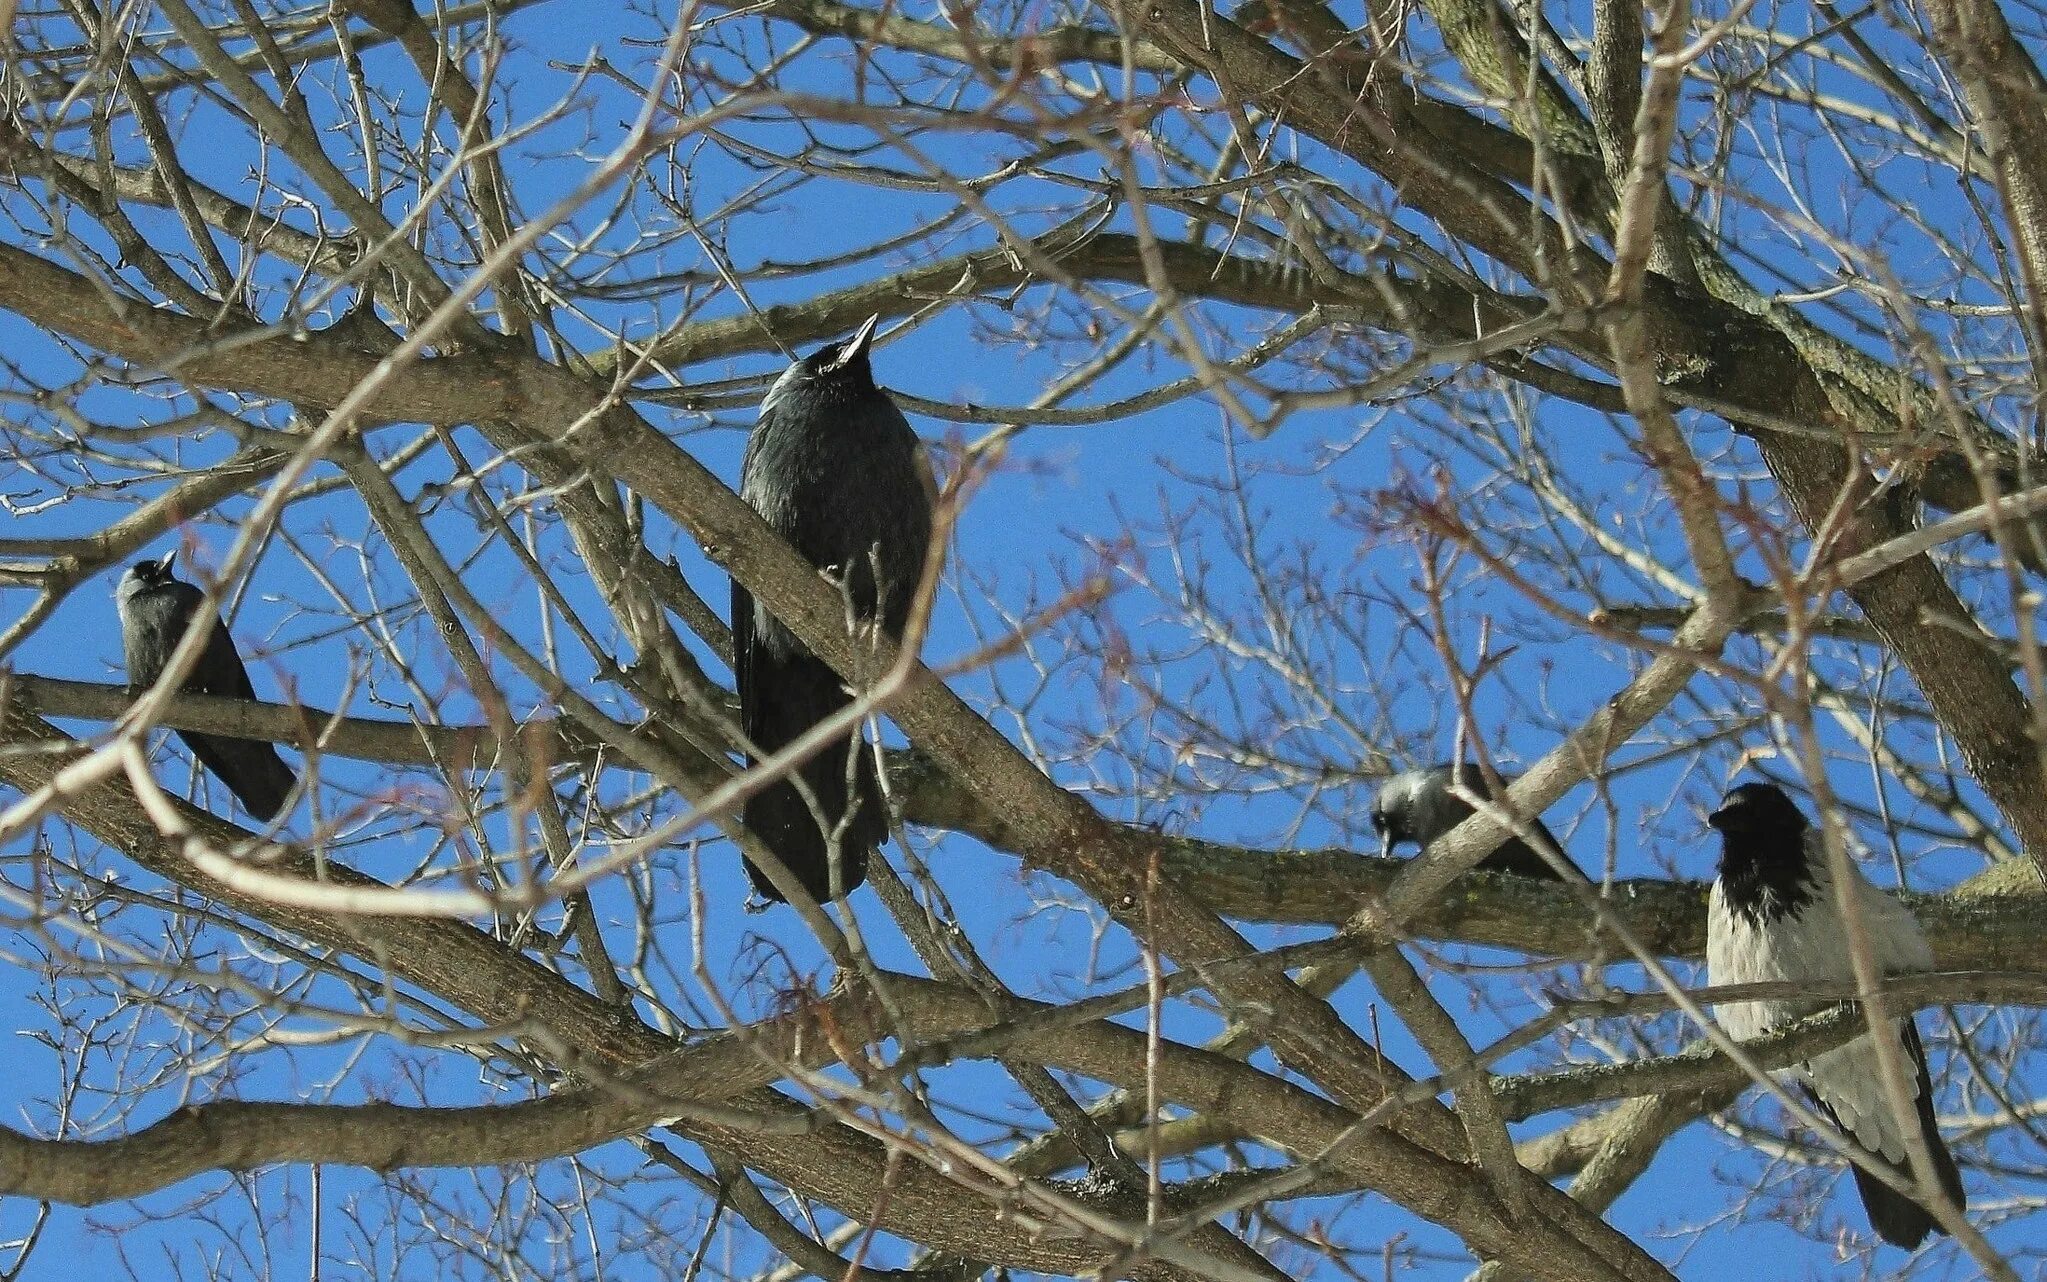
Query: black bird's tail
250, 768
788, 696
1896, 1217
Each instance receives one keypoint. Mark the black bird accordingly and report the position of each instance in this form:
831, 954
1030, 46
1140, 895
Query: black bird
1773, 916
1419, 806
834, 468
156, 609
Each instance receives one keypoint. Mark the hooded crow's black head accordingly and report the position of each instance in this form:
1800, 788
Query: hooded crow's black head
1765, 868
1392, 812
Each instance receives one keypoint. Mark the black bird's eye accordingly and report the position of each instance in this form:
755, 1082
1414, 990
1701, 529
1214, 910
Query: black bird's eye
1378, 821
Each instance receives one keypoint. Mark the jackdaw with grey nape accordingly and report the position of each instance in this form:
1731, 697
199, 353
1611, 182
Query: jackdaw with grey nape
156, 611
1420, 806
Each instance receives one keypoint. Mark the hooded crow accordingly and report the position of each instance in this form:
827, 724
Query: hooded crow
1419, 806
834, 468
1773, 916
156, 610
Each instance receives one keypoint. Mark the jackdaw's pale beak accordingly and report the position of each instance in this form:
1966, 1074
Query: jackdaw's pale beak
856, 346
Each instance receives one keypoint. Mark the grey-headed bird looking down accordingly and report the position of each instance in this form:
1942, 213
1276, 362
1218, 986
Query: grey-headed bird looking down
1419, 806
834, 468
156, 609
1773, 916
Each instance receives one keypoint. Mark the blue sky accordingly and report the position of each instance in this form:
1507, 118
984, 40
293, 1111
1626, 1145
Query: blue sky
1029, 530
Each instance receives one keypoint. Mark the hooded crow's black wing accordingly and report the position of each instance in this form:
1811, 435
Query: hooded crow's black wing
250, 768
1518, 857
1512, 855
1898, 1218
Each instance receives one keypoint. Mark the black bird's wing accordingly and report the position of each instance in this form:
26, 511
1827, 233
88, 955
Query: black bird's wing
250, 768
743, 648
220, 669
868, 525
1897, 1218
1519, 858
1512, 855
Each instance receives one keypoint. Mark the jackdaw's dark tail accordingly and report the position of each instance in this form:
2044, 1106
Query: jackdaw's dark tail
786, 696
250, 768
1519, 858
1898, 1218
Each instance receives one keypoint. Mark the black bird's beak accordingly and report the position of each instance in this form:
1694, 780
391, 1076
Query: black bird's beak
856, 346
1718, 819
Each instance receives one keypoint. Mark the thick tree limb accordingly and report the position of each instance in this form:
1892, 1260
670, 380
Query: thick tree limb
235, 1135
507, 990
1969, 931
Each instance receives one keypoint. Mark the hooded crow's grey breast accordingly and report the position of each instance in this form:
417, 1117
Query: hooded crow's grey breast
834, 468
1420, 806
1774, 915
156, 610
